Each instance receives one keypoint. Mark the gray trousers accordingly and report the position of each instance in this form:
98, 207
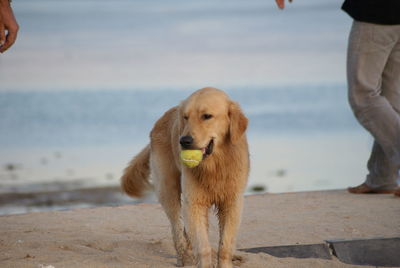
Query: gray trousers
373, 74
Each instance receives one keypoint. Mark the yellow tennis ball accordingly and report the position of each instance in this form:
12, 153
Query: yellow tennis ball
191, 158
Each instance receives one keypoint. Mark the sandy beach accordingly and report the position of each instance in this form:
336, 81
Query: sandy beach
139, 235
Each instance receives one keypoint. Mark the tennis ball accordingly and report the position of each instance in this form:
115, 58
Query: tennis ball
191, 158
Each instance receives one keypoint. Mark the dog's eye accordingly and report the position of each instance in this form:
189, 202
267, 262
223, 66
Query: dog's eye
186, 117
206, 116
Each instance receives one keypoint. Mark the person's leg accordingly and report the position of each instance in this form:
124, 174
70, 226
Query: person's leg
382, 174
392, 90
373, 70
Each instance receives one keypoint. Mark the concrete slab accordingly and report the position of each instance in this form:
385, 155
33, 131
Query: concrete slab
320, 251
376, 252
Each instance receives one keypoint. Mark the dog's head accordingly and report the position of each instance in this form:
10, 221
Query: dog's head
208, 120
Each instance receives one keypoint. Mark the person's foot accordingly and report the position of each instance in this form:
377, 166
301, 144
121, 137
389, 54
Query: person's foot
364, 189
397, 192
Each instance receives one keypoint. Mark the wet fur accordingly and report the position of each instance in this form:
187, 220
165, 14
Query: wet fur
218, 181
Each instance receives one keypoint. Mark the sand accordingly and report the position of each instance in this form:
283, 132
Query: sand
139, 235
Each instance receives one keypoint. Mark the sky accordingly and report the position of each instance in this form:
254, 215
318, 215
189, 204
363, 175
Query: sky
164, 44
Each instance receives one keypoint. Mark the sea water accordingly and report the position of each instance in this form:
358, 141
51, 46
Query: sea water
301, 138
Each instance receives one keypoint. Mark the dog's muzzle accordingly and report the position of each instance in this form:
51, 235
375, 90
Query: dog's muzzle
187, 143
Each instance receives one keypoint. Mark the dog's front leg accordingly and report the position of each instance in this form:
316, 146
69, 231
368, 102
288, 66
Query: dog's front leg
196, 224
195, 212
229, 220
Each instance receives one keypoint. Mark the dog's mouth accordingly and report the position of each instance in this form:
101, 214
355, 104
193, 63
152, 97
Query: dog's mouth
208, 149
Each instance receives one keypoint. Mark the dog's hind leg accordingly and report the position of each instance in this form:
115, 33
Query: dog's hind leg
166, 179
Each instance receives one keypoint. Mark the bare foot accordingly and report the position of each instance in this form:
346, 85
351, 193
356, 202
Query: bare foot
397, 192
364, 189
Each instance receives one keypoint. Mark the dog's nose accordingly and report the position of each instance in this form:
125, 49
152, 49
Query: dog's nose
186, 142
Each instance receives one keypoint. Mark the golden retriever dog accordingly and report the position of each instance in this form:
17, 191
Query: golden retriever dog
207, 120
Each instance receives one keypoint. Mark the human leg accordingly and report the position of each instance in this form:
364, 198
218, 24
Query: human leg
374, 88
382, 175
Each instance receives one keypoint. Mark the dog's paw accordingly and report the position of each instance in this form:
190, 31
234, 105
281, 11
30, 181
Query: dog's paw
237, 260
186, 260
180, 263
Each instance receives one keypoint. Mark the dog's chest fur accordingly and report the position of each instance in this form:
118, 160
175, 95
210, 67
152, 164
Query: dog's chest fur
220, 177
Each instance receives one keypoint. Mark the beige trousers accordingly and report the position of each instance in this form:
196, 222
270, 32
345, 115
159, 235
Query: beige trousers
373, 74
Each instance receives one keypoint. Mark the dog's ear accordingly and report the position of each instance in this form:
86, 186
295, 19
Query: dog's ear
238, 122
180, 116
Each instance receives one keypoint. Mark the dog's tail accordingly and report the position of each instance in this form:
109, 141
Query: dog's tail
135, 180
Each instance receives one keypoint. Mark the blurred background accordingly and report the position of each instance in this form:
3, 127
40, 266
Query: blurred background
86, 80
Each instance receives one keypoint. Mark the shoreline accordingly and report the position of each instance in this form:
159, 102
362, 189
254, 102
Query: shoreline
16, 203
139, 235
